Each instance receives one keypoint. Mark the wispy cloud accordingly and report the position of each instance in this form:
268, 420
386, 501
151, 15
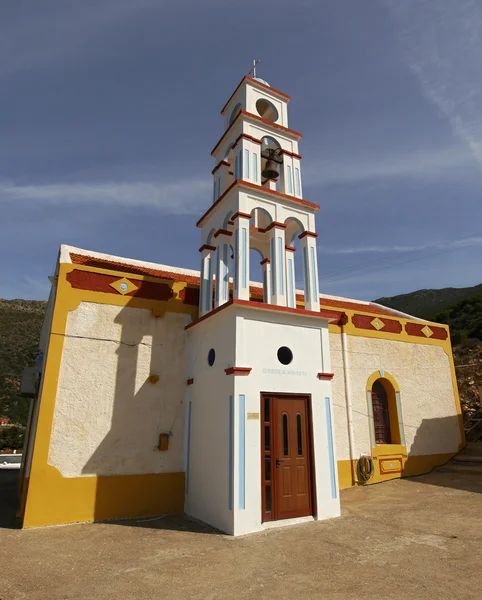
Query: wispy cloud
437, 163
185, 197
468, 241
441, 43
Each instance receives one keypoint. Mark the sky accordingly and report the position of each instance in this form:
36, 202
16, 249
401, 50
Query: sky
109, 110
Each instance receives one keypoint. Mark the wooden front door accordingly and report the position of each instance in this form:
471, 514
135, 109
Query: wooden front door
286, 453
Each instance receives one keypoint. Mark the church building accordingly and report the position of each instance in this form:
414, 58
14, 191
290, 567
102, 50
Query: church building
245, 405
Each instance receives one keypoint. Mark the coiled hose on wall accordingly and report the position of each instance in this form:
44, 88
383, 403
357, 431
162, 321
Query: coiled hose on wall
364, 468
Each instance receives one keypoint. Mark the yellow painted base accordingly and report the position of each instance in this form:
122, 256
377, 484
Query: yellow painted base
413, 465
55, 500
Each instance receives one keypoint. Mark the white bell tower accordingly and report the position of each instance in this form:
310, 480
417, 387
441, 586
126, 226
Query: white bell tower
259, 371
255, 209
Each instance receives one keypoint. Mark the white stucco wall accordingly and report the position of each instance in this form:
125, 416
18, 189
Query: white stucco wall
207, 477
426, 390
108, 416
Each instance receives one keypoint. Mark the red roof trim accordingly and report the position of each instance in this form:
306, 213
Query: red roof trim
207, 247
260, 188
261, 120
255, 82
276, 224
222, 232
238, 371
326, 376
103, 263
220, 164
308, 234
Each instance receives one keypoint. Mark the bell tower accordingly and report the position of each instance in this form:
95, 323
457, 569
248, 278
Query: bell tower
257, 204
259, 372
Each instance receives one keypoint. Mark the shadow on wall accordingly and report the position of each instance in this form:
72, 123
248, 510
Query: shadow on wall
425, 457
135, 478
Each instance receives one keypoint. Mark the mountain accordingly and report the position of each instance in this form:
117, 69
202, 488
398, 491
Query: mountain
428, 303
20, 326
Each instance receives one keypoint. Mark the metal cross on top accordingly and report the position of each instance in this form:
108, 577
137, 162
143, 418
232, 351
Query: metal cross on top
253, 68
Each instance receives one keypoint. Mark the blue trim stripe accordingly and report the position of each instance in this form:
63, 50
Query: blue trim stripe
225, 273
236, 167
370, 418
400, 418
297, 182
255, 167
230, 454
290, 179
330, 447
188, 462
313, 273
306, 275
291, 284
242, 451
236, 255
273, 268
207, 299
219, 187
246, 164
265, 286
244, 247
218, 273
280, 268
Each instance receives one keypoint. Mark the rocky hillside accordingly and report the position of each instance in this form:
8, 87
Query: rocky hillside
20, 325
427, 303
468, 366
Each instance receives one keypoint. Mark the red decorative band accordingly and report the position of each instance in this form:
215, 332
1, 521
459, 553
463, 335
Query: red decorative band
309, 234
190, 381
99, 282
241, 214
277, 225
207, 247
238, 371
290, 248
264, 261
219, 165
222, 232
366, 322
438, 333
326, 376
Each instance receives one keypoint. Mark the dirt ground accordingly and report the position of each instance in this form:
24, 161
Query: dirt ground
414, 538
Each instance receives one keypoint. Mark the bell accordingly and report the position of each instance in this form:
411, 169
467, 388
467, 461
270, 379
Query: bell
270, 171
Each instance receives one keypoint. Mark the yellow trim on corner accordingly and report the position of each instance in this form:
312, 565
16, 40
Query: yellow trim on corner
49, 498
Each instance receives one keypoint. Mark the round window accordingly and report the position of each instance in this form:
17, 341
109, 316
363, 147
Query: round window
267, 110
211, 357
285, 356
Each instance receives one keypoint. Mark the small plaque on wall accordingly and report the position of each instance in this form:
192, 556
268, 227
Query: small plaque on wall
253, 416
390, 465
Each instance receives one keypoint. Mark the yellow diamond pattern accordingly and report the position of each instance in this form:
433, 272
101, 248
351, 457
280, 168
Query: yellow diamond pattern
427, 331
378, 324
123, 286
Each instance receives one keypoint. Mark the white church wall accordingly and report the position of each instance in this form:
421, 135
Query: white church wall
208, 465
258, 338
108, 415
426, 390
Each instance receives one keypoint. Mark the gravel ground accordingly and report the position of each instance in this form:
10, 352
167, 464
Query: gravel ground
413, 538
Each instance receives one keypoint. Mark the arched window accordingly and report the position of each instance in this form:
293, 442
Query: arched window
381, 414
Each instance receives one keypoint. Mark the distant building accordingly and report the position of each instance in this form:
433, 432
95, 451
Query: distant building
240, 403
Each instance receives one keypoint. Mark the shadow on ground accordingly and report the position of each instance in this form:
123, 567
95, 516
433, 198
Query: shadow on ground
9, 481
